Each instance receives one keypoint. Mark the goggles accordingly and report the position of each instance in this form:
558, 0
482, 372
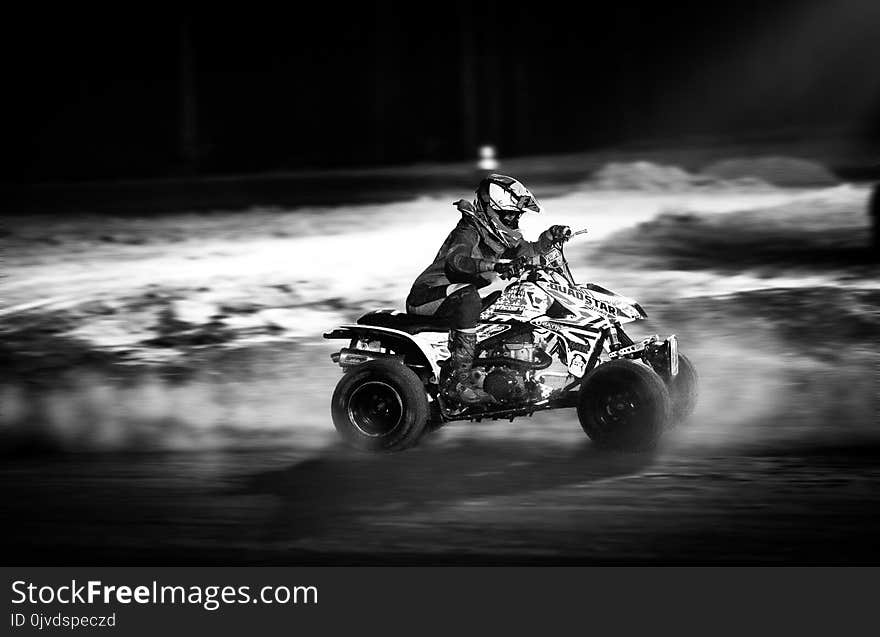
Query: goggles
515, 198
509, 218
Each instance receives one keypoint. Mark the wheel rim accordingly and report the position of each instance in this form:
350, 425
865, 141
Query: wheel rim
375, 409
617, 411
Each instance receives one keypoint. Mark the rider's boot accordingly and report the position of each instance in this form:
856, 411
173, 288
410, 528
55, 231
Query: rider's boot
459, 384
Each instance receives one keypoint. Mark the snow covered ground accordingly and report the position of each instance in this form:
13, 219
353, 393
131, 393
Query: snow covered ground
290, 271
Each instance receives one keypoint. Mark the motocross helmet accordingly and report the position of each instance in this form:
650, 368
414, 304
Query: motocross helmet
502, 200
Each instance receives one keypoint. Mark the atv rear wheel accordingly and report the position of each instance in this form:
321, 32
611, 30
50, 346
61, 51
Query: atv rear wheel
623, 405
380, 405
683, 390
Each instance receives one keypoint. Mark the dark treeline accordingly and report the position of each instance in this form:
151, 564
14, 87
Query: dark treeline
131, 94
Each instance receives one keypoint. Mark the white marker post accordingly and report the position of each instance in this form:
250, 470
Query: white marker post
487, 158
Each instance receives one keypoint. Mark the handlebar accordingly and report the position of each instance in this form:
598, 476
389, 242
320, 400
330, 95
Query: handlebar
523, 264
570, 235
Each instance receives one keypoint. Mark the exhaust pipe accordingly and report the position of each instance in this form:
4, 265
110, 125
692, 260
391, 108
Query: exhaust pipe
349, 357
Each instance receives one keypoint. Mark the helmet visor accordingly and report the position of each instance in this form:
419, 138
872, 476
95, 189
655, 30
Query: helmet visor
514, 196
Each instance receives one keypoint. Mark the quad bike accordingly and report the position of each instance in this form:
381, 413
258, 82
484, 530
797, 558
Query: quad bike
545, 342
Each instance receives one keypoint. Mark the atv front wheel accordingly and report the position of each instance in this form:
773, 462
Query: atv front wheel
380, 405
623, 405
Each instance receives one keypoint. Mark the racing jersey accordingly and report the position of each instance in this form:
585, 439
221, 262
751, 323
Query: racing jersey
468, 255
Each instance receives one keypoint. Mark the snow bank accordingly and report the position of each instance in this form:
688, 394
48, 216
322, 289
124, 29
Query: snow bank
742, 174
780, 171
650, 177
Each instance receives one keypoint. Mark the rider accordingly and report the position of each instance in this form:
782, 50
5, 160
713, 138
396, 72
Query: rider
487, 232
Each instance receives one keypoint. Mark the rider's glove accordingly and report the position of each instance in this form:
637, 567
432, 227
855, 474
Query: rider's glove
505, 269
510, 269
559, 233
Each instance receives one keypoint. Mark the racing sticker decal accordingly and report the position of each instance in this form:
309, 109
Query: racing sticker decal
537, 298
511, 302
485, 331
507, 309
563, 328
578, 365
586, 297
580, 348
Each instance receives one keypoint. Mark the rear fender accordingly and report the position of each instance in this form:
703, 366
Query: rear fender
416, 354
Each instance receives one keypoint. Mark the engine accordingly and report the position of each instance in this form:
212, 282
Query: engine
505, 385
508, 369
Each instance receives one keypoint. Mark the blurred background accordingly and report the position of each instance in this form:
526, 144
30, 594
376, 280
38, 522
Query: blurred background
103, 95
192, 199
